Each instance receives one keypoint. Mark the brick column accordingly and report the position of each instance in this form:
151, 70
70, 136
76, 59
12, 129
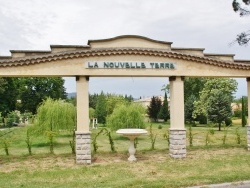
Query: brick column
83, 138
83, 148
248, 138
177, 148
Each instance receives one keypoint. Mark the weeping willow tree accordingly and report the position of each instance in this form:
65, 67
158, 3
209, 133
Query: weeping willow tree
53, 116
127, 116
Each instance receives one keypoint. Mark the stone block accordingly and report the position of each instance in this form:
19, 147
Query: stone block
179, 137
83, 157
83, 161
83, 152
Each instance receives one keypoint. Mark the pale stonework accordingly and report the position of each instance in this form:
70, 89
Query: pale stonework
83, 148
177, 147
248, 137
72, 60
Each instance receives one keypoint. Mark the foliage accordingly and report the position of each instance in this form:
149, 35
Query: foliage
91, 112
164, 111
101, 108
244, 37
111, 141
72, 142
190, 135
225, 85
12, 118
225, 130
189, 108
113, 101
93, 98
127, 116
238, 136
166, 135
228, 122
152, 137
9, 92
94, 141
237, 113
219, 107
209, 132
34, 90
129, 98
28, 140
55, 115
154, 108
243, 113
104, 131
193, 87
6, 137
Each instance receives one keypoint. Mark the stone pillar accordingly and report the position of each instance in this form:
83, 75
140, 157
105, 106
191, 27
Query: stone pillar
248, 119
83, 138
248, 138
177, 148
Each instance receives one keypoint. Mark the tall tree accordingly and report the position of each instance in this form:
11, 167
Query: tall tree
226, 85
219, 107
189, 108
35, 90
164, 112
9, 93
244, 37
243, 113
130, 115
93, 100
154, 108
53, 116
113, 101
193, 87
101, 108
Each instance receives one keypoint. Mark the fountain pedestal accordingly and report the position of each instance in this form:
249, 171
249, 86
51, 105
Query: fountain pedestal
131, 134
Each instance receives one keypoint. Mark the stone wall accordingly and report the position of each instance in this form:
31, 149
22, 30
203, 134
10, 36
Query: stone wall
177, 148
83, 148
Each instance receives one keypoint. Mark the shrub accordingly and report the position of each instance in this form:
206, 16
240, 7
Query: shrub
237, 113
12, 119
126, 116
228, 122
52, 116
202, 119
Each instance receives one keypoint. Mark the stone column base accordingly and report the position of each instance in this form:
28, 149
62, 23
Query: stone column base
83, 148
248, 138
177, 147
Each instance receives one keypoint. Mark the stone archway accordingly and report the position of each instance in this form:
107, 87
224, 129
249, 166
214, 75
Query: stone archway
126, 56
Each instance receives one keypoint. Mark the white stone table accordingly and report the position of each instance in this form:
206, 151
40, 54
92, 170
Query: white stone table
131, 134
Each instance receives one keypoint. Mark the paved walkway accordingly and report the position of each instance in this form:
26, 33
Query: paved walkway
241, 184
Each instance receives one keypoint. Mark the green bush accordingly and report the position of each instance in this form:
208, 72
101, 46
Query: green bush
202, 119
12, 119
237, 113
127, 116
228, 122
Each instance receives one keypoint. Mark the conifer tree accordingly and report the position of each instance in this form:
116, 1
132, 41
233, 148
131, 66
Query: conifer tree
154, 108
243, 113
101, 108
164, 112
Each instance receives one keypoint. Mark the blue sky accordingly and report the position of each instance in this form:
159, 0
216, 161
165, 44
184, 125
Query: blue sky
34, 25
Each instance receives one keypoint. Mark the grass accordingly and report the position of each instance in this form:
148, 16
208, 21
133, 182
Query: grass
210, 164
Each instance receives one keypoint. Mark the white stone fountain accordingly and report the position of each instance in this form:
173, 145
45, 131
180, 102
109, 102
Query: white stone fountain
131, 134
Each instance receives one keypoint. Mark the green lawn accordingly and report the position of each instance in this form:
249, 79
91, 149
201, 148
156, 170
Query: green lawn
209, 164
